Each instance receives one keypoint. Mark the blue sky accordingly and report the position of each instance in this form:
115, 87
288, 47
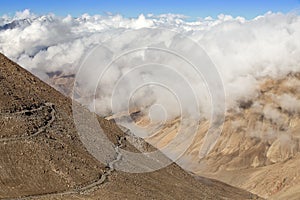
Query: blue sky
132, 8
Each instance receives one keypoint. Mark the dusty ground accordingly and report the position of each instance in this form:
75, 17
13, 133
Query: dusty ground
42, 156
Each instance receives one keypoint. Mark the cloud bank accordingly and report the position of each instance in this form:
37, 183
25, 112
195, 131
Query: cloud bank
244, 51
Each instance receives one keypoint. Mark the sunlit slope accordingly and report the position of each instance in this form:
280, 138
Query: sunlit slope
42, 156
258, 149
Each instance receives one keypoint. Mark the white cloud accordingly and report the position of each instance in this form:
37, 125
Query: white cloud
289, 103
243, 50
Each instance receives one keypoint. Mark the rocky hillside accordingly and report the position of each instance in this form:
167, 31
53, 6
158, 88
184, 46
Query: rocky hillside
42, 156
259, 146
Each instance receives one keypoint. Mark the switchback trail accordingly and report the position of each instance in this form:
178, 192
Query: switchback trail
78, 190
40, 129
87, 188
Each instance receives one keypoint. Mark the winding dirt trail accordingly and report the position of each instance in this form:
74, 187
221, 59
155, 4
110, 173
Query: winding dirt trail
40, 129
79, 190
111, 168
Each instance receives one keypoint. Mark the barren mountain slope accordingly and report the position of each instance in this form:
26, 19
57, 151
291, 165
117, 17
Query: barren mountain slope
259, 147
42, 156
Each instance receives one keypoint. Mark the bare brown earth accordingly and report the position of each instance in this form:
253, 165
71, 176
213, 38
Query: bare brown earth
259, 147
43, 158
